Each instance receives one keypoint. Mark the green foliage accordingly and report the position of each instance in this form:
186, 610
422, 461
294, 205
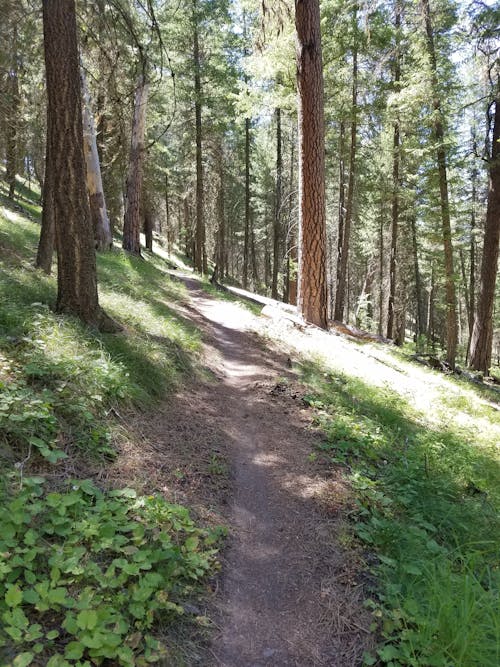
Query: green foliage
85, 574
427, 508
58, 379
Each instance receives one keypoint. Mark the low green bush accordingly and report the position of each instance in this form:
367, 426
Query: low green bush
85, 574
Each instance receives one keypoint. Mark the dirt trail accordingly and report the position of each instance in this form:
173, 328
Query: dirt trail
288, 595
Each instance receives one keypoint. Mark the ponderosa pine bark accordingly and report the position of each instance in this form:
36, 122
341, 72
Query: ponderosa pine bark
132, 217
312, 297
438, 131
482, 333
98, 211
76, 275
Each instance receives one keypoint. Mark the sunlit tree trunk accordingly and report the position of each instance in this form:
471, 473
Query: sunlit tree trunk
312, 297
98, 210
76, 275
482, 333
277, 231
451, 305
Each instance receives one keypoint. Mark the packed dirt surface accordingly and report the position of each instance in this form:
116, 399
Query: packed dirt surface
288, 594
236, 448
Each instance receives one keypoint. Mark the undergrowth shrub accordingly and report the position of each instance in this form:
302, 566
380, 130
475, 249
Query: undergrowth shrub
85, 574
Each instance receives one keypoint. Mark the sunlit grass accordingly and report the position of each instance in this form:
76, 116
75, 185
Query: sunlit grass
81, 373
428, 501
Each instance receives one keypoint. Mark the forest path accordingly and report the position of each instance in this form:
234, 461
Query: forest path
288, 595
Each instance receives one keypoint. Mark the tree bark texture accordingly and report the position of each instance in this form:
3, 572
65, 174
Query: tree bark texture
312, 297
98, 210
438, 128
132, 217
482, 333
76, 279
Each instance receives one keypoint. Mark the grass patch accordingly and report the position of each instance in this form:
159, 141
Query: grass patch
87, 574
427, 501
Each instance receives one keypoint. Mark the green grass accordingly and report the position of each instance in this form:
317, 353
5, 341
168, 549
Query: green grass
427, 501
60, 385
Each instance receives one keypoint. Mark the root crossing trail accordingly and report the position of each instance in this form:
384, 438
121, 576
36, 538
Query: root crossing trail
287, 596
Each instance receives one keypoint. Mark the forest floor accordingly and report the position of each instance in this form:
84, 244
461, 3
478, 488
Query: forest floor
293, 586
289, 594
360, 490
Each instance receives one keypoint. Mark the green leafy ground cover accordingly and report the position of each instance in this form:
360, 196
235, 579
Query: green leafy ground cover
87, 574
426, 515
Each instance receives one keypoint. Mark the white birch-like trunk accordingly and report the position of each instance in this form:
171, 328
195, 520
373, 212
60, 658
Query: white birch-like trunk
99, 212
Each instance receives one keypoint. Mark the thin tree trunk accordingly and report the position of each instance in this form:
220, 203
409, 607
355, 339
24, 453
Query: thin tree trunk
148, 228
246, 247
341, 212
12, 125
482, 334
200, 262
395, 183
313, 296
98, 210
344, 258
132, 217
290, 287
381, 269
451, 307
277, 232
419, 313
45, 250
76, 275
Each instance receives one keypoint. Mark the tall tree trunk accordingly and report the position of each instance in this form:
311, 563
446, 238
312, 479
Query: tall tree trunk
451, 306
344, 255
45, 250
482, 333
76, 276
312, 297
341, 212
98, 210
200, 256
222, 254
246, 246
132, 217
290, 287
420, 309
395, 183
13, 117
381, 267
148, 227
277, 233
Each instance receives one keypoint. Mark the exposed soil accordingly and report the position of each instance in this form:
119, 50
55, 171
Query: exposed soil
288, 594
